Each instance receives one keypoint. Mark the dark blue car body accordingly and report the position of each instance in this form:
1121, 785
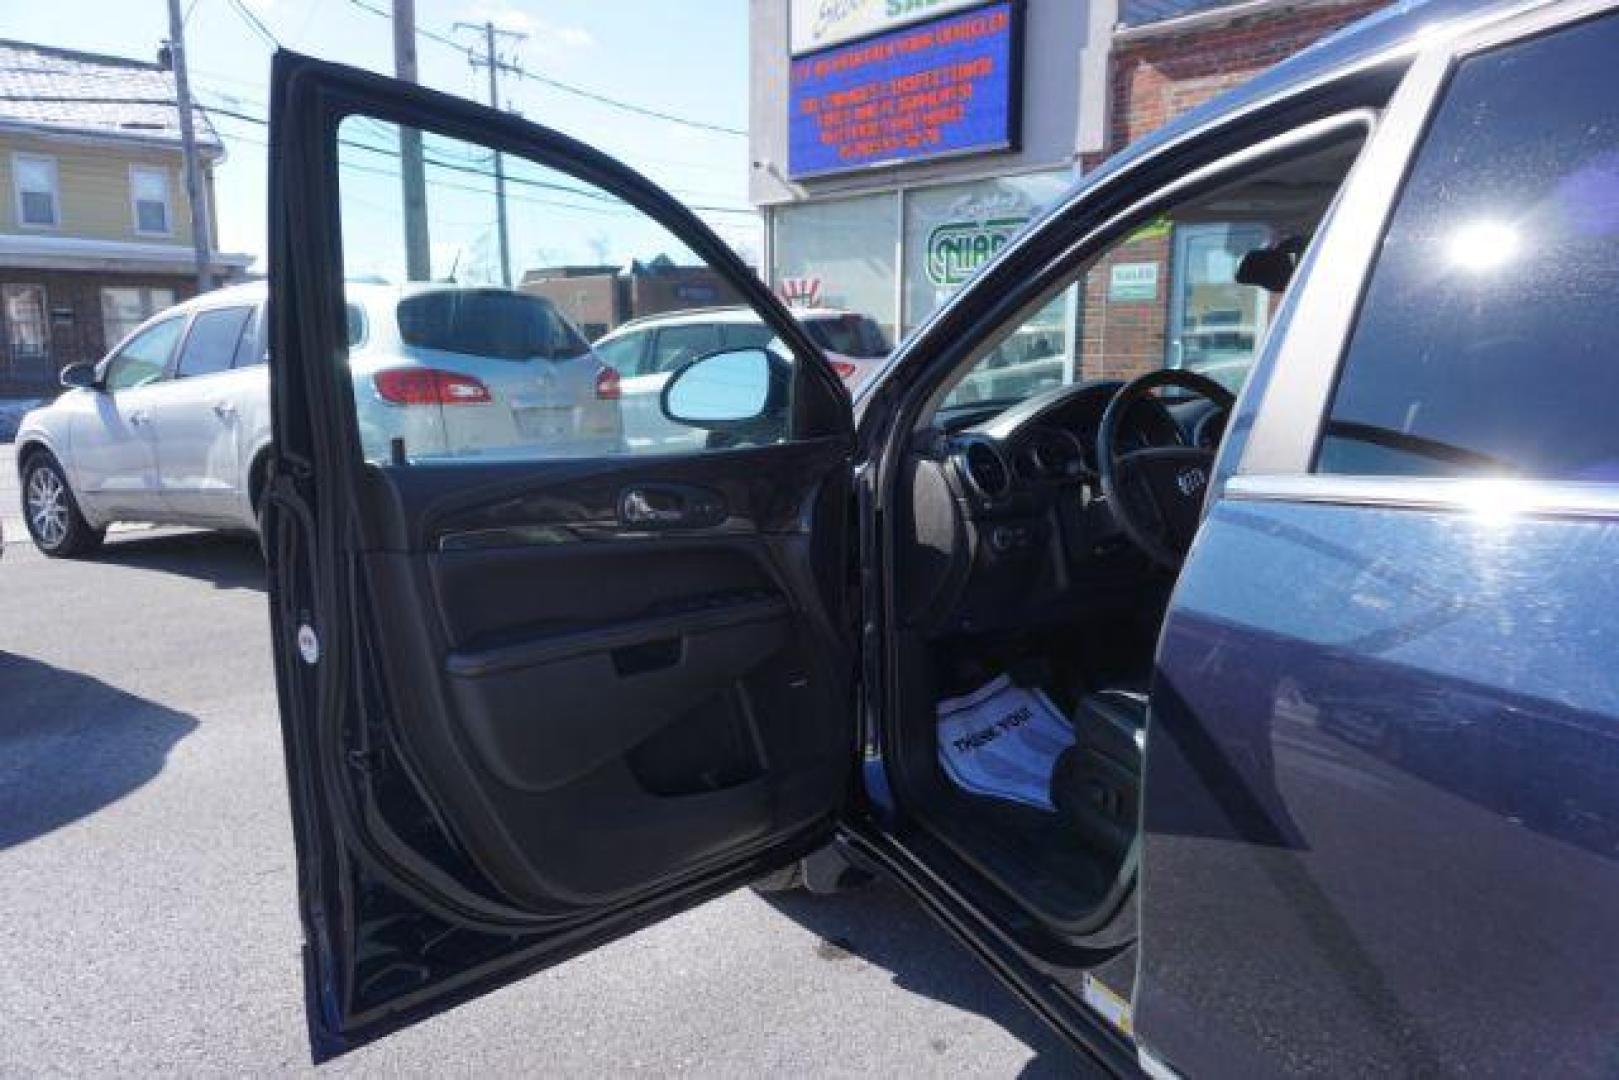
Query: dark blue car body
1380, 793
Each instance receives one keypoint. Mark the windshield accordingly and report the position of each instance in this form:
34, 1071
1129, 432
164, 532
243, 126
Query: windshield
493, 323
855, 336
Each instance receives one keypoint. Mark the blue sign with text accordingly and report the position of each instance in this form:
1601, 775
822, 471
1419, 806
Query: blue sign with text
939, 88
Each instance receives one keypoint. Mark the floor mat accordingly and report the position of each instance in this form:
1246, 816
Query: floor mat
1002, 741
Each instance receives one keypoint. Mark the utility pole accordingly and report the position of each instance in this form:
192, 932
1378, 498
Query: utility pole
196, 190
412, 174
496, 65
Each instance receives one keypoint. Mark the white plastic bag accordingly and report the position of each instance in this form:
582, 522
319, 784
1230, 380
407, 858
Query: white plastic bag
1003, 741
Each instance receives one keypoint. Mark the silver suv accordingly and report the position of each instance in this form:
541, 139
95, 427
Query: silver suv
173, 426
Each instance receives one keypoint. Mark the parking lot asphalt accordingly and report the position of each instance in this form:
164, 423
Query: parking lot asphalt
147, 920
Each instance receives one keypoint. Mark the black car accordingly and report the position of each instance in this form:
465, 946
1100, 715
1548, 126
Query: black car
1305, 700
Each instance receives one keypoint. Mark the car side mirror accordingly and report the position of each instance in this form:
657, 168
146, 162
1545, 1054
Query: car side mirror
80, 377
719, 390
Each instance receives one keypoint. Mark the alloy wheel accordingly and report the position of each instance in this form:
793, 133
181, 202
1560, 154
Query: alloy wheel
47, 506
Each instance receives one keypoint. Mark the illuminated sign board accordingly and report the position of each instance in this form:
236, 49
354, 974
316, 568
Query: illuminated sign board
946, 87
819, 24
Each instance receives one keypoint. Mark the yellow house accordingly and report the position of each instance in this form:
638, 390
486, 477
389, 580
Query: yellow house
95, 225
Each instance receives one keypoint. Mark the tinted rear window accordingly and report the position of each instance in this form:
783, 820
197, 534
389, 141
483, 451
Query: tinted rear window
851, 335
490, 323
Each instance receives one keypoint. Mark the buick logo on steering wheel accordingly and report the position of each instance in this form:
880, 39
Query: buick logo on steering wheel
1191, 481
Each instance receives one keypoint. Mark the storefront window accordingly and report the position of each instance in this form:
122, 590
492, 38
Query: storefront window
839, 255
952, 231
127, 306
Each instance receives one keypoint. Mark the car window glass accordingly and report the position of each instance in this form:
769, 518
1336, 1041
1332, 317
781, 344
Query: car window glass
355, 327
1194, 287
677, 346
493, 324
1487, 337
623, 354
746, 335
848, 335
211, 343
250, 346
473, 347
144, 359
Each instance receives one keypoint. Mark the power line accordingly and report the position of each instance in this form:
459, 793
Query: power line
567, 88
473, 170
258, 26
248, 118
380, 129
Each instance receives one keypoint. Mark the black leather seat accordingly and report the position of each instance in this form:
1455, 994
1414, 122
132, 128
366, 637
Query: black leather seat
1096, 783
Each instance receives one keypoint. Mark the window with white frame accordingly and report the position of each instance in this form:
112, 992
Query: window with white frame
38, 201
149, 197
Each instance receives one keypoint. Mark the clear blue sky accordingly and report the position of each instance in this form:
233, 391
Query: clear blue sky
688, 58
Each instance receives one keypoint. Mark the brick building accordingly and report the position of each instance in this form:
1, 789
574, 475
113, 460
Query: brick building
1167, 57
95, 228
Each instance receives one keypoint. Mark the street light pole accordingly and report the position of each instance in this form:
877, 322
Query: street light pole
412, 173
196, 190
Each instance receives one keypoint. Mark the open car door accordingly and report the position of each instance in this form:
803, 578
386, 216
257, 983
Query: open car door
543, 678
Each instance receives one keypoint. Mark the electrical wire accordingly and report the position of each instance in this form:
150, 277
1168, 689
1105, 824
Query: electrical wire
558, 84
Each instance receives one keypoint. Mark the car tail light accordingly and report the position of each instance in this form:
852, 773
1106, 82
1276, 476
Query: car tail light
844, 369
429, 386
607, 384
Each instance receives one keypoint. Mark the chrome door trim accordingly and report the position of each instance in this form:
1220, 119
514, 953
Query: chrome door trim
1483, 497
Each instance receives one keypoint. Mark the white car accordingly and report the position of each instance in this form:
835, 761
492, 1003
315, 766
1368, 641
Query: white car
173, 425
646, 351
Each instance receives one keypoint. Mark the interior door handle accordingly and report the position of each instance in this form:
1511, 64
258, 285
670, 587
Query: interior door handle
669, 506
640, 507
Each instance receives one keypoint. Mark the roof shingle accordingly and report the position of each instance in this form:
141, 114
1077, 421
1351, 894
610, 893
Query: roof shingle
45, 87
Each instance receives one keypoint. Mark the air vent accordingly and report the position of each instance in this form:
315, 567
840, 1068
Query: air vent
985, 469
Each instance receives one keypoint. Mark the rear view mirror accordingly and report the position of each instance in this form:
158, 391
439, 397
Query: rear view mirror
719, 390
79, 377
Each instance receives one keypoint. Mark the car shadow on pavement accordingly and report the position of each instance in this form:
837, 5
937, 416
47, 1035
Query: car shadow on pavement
880, 925
225, 560
71, 745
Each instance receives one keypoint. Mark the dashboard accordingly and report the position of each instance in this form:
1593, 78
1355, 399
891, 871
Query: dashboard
1007, 516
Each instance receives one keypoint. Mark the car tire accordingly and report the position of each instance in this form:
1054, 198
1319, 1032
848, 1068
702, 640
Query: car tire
52, 513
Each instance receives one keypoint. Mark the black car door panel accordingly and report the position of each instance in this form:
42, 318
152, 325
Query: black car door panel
537, 697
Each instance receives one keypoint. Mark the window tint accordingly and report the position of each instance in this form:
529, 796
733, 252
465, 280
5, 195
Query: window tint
1487, 342
747, 335
144, 359
490, 323
679, 345
850, 335
211, 344
250, 346
623, 354
356, 325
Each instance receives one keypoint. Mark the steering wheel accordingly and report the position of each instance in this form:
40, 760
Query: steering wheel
1156, 493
